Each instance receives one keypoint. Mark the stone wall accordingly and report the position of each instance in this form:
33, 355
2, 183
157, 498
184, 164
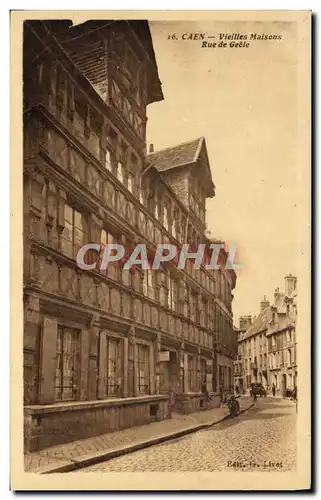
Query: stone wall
61, 423
193, 402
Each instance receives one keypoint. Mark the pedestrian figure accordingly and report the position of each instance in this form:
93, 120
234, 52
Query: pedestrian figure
273, 390
295, 397
237, 389
205, 392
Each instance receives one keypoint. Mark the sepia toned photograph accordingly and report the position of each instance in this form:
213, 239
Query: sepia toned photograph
162, 201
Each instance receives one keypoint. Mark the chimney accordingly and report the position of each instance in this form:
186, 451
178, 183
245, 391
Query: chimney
151, 148
264, 304
245, 322
290, 284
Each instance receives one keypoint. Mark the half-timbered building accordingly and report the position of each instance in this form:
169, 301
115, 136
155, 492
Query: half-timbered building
108, 349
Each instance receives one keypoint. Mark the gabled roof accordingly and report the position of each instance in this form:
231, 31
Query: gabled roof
260, 324
181, 155
263, 323
176, 156
85, 44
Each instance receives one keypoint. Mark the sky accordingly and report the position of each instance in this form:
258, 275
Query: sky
244, 102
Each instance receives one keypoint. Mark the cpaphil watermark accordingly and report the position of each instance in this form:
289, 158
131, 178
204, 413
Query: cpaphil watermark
204, 255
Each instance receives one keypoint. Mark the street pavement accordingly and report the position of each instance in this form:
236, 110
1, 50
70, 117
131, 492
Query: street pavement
85, 452
261, 439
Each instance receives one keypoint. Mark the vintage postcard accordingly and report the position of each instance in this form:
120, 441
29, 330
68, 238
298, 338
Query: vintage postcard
161, 250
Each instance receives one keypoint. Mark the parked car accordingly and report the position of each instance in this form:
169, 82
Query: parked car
259, 390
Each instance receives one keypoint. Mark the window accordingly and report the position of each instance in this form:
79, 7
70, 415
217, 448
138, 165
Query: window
94, 141
175, 225
114, 364
193, 305
120, 173
289, 357
191, 373
74, 235
165, 218
142, 195
163, 290
130, 183
156, 210
273, 341
108, 160
68, 364
105, 239
79, 118
288, 336
172, 294
143, 368
148, 283
205, 313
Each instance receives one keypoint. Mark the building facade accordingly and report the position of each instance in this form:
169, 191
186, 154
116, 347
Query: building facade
109, 349
244, 324
268, 346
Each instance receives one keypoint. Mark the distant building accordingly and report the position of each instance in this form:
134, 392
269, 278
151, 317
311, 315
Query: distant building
281, 337
245, 322
268, 346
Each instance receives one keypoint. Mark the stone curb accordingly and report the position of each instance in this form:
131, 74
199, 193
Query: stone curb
72, 465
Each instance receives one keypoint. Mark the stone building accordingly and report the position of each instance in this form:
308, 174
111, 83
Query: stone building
268, 346
110, 349
244, 324
281, 339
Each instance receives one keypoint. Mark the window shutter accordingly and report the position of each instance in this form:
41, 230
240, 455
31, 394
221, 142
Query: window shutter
102, 365
48, 361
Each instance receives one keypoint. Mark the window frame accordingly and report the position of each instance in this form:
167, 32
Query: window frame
143, 388
75, 370
84, 219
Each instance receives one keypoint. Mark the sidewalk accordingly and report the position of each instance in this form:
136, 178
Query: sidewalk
76, 454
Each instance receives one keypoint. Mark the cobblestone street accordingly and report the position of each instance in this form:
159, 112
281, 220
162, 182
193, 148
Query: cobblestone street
262, 439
